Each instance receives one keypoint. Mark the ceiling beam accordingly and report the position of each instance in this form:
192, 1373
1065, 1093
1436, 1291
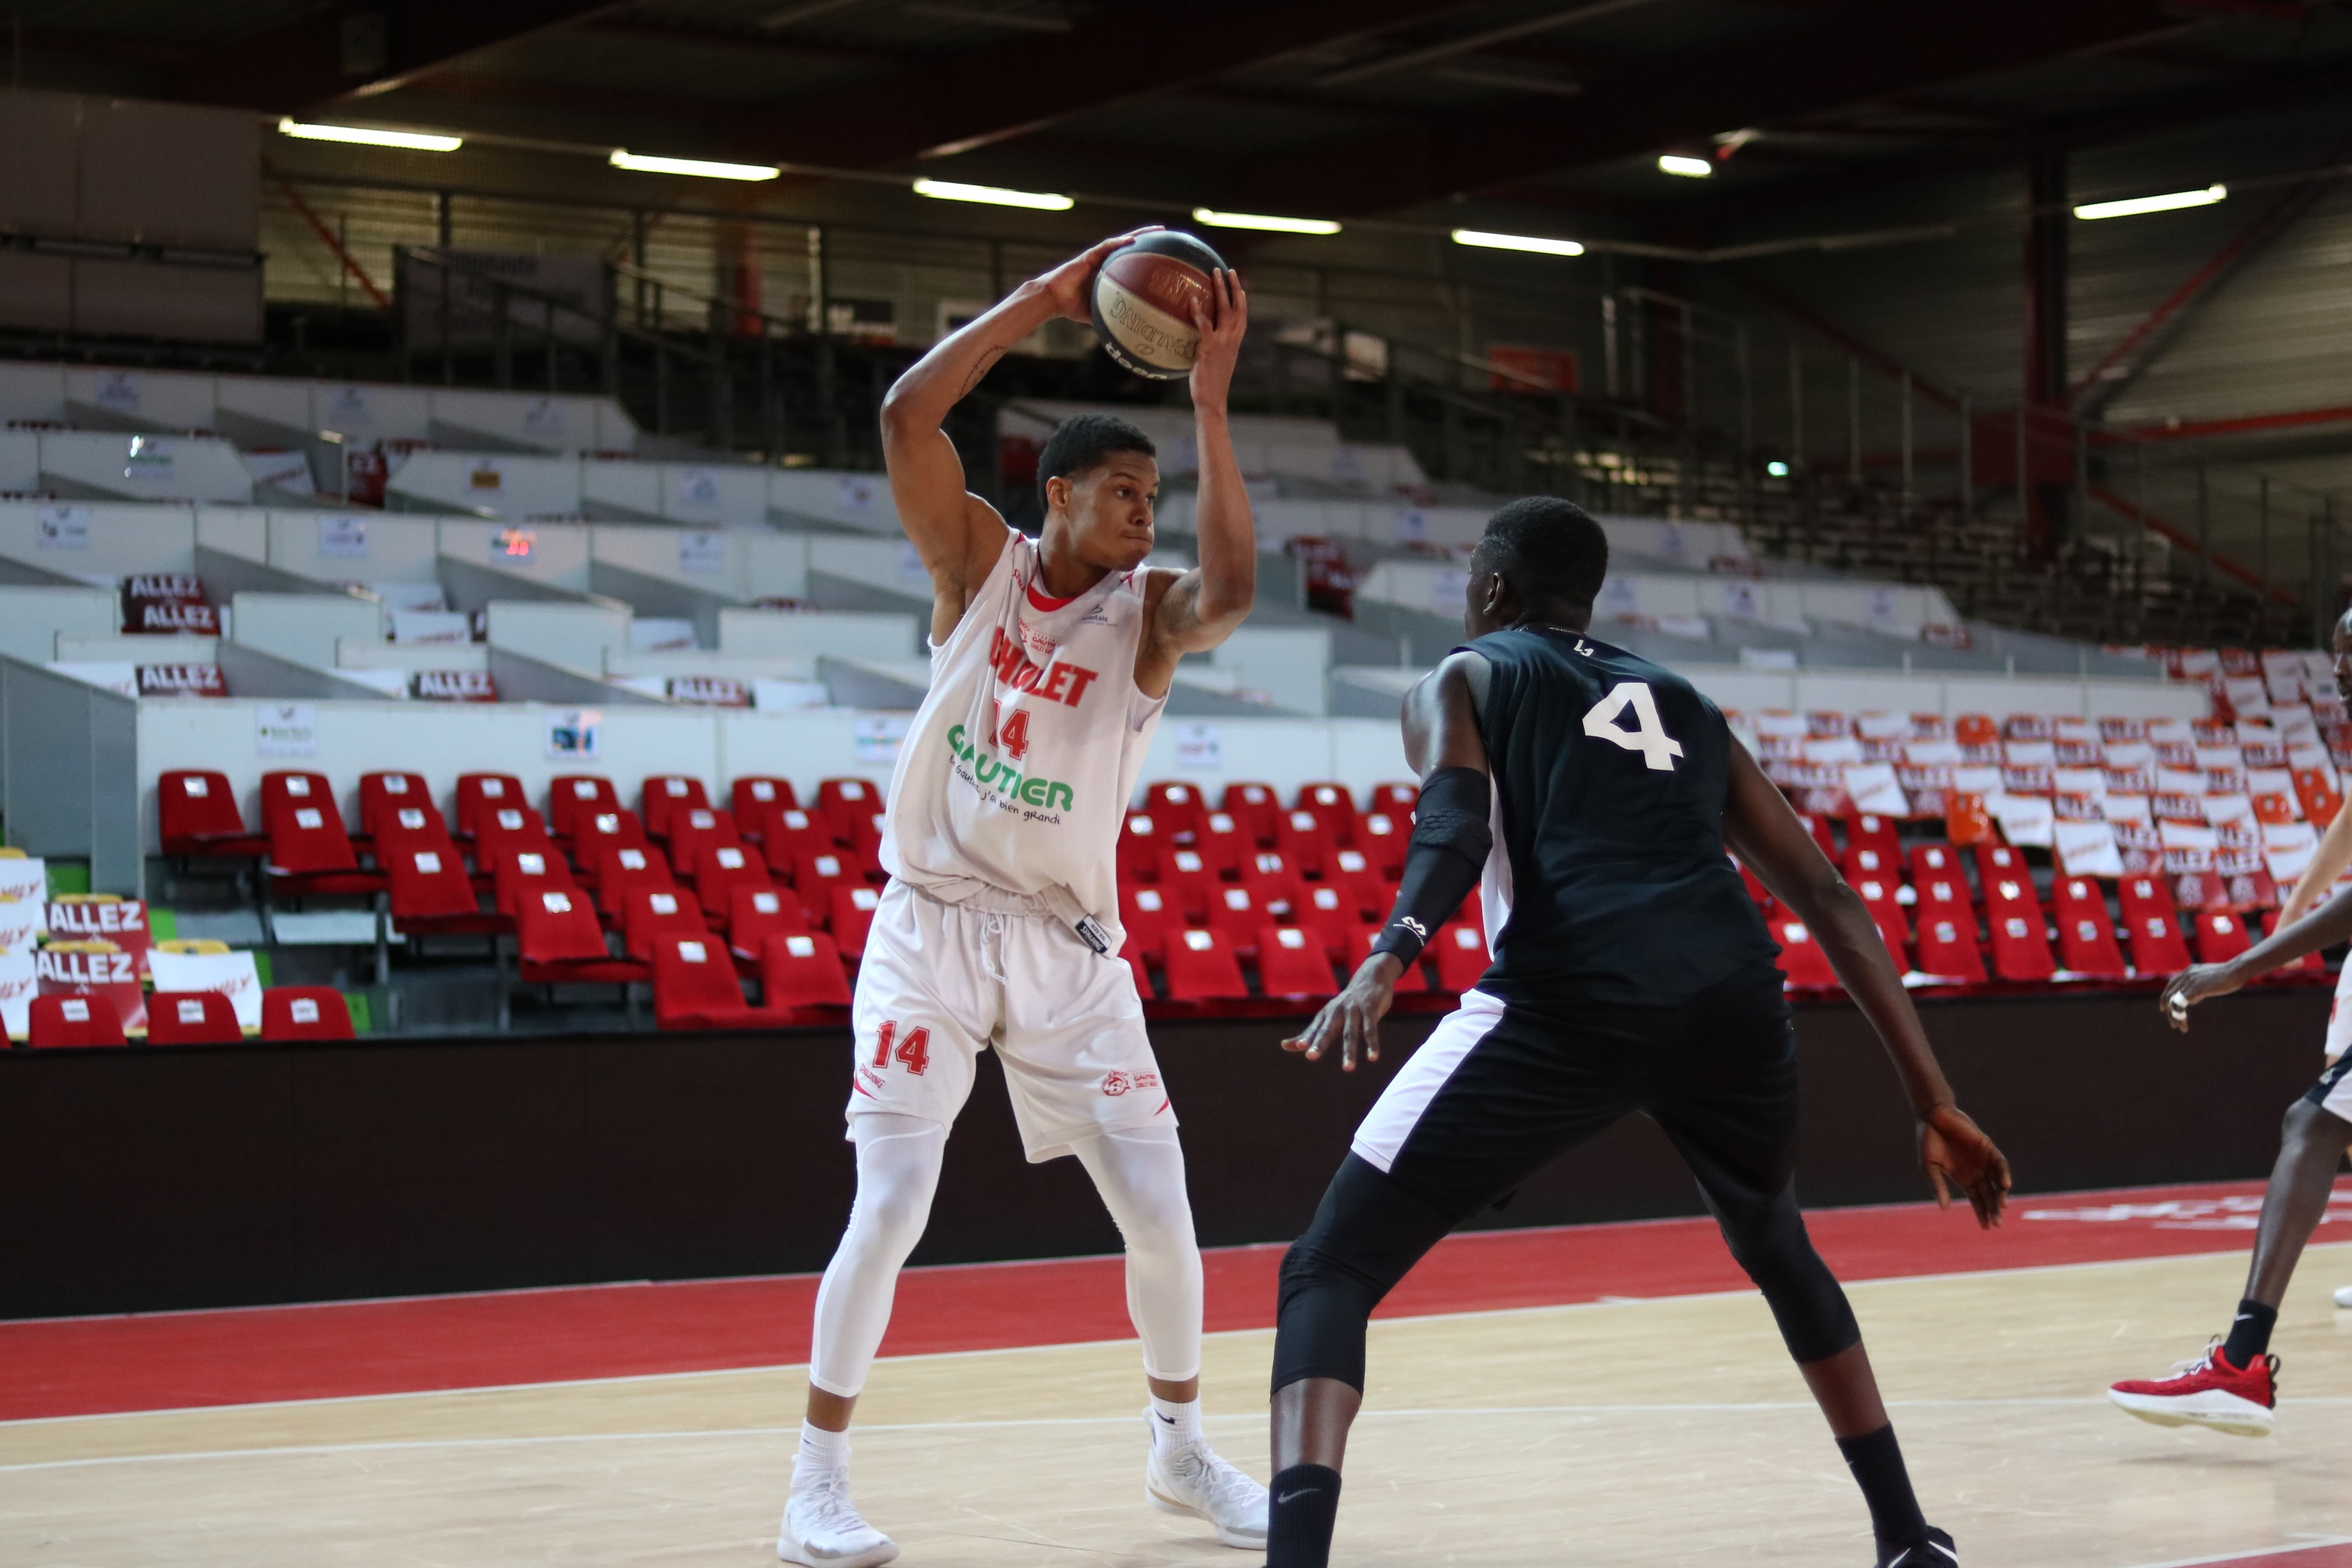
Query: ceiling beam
347, 50
1859, 54
1112, 55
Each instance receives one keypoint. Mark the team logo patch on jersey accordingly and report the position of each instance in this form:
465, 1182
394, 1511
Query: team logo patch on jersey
1117, 1083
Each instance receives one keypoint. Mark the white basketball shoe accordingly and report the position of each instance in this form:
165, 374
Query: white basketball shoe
1188, 1477
823, 1529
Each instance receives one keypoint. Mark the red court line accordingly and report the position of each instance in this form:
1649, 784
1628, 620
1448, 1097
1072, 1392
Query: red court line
75, 1366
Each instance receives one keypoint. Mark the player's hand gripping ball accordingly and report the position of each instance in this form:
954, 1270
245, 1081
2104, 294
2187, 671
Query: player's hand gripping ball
1143, 299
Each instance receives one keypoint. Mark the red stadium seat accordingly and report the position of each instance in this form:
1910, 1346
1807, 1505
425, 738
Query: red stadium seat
1253, 808
1333, 805
2157, 945
1134, 962
666, 795
73, 1021
651, 913
1273, 883
304, 1013
1147, 914
479, 794
1947, 943
758, 913
2087, 937
1291, 961
1186, 880
815, 879
623, 869
594, 833
1141, 844
1396, 799
1878, 898
1329, 911
753, 799
1221, 842
1305, 841
558, 941
2020, 942
1201, 967
571, 798
852, 919
694, 833
802, 976
1819, 826
1868, 830
790, 835
402, 828
1942, 860
1994, 860
1177, 806
508, 830
191, 1018
724, 868
304, 826
1462, 956
1382, 838
1801, 961
865, 844
431, 893
381, 794
841, 802
197, 814
1411, 983
1868, 862
2221, 936
1235, 914
520, 874
2312, 966
1369, 892
694, 987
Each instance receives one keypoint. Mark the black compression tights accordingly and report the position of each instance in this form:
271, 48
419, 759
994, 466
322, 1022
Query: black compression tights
1370, 1232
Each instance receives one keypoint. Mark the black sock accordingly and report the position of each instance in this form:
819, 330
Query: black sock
2250, 1334
1301, 1508
1876, 1462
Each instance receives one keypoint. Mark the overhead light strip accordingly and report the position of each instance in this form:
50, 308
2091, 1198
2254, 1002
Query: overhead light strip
700, 168
993, 196
2164, 204
367, 136
1215, 220
1529, 242
1688, 167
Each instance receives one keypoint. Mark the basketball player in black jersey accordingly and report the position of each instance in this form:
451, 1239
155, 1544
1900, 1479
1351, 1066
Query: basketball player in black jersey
1596, 794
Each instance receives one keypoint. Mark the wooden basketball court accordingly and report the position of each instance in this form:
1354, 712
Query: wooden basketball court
1611, 1432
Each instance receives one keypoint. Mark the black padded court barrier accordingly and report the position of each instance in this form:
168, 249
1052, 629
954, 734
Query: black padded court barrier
149, 1178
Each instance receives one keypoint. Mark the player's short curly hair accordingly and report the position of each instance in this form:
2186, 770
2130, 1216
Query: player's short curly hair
1547, 549
1083, 440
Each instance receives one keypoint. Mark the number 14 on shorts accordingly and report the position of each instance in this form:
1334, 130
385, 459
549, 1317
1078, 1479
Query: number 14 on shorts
913, 1050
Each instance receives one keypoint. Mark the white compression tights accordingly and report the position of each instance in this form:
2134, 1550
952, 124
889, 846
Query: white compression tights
1141, 1176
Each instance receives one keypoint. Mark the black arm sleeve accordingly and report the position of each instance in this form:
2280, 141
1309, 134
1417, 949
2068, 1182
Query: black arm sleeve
1451, 841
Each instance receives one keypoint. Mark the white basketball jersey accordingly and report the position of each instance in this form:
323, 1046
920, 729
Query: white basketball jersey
1017, 771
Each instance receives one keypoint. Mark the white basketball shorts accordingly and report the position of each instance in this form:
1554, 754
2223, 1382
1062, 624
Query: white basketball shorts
2339, 1015
941, 982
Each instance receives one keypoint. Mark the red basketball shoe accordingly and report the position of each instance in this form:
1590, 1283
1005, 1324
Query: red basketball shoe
2208, 1392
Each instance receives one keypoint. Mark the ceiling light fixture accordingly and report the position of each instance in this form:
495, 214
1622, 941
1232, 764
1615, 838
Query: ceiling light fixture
2139, 204
1260, 220
408, 141
1517, 242
1688, 167
701, 168
993, 196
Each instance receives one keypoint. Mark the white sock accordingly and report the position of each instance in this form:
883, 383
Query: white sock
1174, 1424
821, 1452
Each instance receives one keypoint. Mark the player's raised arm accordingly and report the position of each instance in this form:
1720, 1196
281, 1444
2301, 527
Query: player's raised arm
1451, 838
1197, 610
959, 535
1761, 829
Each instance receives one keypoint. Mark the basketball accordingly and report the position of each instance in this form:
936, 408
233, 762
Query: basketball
1142, 299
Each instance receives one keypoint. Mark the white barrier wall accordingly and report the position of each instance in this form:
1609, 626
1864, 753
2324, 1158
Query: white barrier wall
744, 563
143, 468
1288, 664
100, 539
352, 547
836, 634
552, 554
1266, 446
32, 619
573, 634
1896, 607
304, 628
1661, 541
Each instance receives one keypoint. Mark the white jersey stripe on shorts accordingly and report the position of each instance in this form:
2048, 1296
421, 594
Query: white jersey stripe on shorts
2339, 1015
1398, 1110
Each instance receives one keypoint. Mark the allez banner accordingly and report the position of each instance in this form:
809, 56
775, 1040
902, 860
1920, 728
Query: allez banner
24, 903
102, 917
453, 685
100, 971
182, 680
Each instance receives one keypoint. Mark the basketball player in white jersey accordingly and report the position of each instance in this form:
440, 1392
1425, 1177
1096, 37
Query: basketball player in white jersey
1051, 660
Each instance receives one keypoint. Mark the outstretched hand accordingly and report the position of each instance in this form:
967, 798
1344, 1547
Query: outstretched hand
1069, 285
1957, 1154
1351, 1020
2193, 986
1220, 320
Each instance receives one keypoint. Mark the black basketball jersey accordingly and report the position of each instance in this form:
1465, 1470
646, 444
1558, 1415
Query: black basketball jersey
1609, 776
